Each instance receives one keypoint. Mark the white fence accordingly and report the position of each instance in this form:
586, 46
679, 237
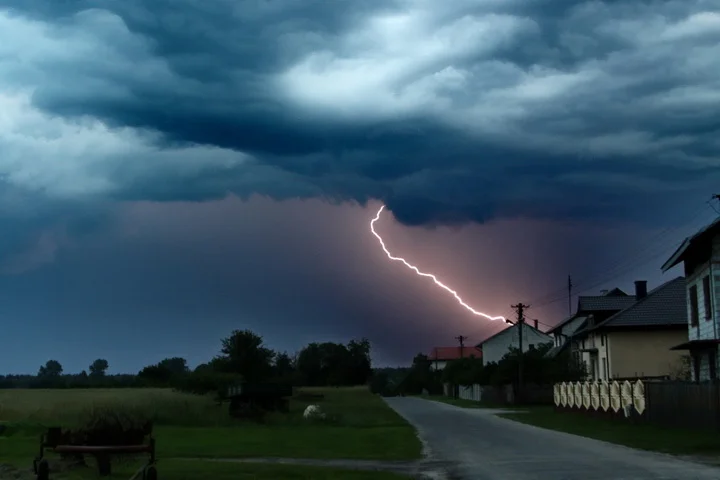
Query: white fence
601, 395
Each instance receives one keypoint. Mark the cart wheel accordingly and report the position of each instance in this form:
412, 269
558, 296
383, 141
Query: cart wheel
150, 473
43, 470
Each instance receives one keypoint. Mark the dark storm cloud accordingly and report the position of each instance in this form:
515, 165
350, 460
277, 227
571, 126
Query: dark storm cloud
449, 112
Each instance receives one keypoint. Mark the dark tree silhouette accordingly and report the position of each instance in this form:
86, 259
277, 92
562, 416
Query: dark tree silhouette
99, 367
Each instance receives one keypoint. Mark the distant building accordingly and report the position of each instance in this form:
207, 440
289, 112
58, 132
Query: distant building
635, 342
440, 356
596, 308
700, 255
494, 348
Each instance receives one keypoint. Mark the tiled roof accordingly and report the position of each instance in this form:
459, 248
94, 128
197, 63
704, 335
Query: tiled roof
453, 353
604, 303
665, 305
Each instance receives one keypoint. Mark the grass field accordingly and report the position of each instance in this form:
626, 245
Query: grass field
645, 437
359, 426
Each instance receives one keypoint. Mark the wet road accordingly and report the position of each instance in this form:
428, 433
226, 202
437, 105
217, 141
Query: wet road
481, 446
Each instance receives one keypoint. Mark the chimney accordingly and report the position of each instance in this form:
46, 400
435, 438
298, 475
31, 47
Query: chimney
536, 325
640, 289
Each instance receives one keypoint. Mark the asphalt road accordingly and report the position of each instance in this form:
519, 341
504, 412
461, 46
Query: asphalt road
477, 445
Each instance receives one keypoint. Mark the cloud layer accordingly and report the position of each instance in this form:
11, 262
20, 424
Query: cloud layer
448, 111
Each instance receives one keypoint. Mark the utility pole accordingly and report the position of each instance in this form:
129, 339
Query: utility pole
520, 309
570, 285
461, 339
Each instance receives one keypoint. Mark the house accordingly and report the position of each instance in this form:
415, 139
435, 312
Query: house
700, 255
440, 356
590, 308
495, 347
636, 341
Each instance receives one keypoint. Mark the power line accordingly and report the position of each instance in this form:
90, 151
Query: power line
631, 258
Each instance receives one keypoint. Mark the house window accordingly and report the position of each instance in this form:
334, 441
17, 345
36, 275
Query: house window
707, 297
531, 346
602, 340
694, 317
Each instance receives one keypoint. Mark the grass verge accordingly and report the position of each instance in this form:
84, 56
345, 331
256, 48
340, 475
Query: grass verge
193, 470
645, 437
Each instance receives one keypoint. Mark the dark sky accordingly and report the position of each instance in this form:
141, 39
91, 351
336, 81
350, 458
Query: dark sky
173, 170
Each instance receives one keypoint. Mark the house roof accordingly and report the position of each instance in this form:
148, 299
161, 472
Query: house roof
507, 330
566, 321
679, 255
665, 305
453, 353
604, 303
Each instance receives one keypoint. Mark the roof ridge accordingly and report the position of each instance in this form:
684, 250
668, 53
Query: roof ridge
650, 294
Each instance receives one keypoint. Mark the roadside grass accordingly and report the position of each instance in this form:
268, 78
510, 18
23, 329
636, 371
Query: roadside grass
644, 437
460, 402
359, 425
193, 470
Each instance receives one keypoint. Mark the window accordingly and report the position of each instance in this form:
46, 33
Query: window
694, 317
531, 346
602, 340
707, 296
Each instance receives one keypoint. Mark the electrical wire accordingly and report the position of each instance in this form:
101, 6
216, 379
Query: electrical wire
622, 263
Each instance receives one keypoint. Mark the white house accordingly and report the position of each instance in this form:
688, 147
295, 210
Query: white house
497, 346
700, 255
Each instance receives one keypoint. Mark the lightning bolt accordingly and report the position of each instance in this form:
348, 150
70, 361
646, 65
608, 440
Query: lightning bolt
423, 274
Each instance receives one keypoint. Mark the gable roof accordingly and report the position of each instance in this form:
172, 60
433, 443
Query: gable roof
703, 234
479, 345
665, 305
563, 322
453, 353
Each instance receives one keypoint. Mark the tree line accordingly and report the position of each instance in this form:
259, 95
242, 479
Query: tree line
538, 368
243, 357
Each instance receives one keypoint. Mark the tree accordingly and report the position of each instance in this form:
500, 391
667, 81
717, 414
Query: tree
98, 368
52, 368
283, 364
243, 353
174, 365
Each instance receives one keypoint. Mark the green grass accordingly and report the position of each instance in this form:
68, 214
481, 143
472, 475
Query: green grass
645, 437
359, 425
193, 470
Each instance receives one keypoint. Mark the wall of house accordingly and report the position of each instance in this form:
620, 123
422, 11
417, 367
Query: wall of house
645, 353
563, 334
496, 348
707, 328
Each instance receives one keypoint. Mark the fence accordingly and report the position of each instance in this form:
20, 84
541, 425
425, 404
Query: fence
666, 404
501, 395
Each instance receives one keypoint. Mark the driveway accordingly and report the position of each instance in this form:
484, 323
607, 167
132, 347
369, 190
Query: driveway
479, 445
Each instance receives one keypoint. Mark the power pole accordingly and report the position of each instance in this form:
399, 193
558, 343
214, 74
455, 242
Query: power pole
570, 285
461, 339
520, 309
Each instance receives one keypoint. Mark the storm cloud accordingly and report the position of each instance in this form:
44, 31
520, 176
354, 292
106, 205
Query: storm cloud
163, 161
447, 111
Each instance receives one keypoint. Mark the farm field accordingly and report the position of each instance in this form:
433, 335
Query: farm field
189, 428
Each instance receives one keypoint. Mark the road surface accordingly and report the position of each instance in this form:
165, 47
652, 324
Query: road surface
481, 446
